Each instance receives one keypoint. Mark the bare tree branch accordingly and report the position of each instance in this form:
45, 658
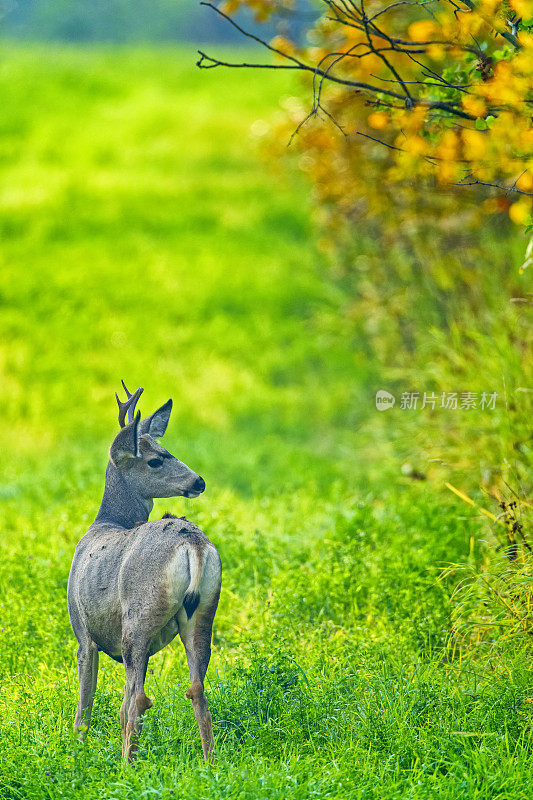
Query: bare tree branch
469, 180
334, 68
402, 3
209, 62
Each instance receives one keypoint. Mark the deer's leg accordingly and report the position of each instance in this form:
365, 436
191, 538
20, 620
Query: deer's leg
124, 717
135, 657
87, 675
196, 637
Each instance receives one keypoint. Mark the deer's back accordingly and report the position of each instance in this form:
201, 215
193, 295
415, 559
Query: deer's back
120, 575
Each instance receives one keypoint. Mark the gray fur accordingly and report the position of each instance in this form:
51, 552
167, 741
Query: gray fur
135, 584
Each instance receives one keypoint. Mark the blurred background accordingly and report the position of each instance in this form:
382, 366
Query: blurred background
139, 21
126, 172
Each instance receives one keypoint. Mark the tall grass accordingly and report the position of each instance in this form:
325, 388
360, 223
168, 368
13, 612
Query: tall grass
493, 600
448, 310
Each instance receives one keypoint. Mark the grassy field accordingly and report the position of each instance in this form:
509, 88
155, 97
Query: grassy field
142, 239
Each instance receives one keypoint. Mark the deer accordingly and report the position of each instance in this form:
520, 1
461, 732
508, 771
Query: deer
134, 584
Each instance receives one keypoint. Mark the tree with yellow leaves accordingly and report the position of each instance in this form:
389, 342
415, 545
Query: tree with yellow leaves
411, 96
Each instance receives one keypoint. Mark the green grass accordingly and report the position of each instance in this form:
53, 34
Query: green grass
143, 239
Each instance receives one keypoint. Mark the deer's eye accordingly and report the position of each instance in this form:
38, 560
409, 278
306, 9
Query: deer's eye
154, 462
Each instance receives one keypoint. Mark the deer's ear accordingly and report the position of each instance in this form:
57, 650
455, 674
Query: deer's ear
156, 424
147, 444
125, 445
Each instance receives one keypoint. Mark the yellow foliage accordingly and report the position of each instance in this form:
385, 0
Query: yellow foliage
489, 7
469, 24
524, 8
263, 9
230, 6
317, 55
411, 121
526, 139
415, 145
436, 52
474, 145
284, 45
448, 146
446, 172
262, 14
507, 87
520, 211
525, 182
422, 30
474, 105
378, 120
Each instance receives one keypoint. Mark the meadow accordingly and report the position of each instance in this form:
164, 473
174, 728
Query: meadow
143, 238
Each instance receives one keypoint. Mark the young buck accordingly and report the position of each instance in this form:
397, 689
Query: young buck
135, 584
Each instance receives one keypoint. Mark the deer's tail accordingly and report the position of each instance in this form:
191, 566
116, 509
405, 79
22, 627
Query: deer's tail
192, 595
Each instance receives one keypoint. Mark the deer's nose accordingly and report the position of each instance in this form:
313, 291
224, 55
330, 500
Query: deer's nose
199, 484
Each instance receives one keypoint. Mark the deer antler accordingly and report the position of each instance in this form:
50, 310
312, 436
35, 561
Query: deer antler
129, 406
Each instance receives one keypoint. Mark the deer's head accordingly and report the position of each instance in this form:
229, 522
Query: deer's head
147, 467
